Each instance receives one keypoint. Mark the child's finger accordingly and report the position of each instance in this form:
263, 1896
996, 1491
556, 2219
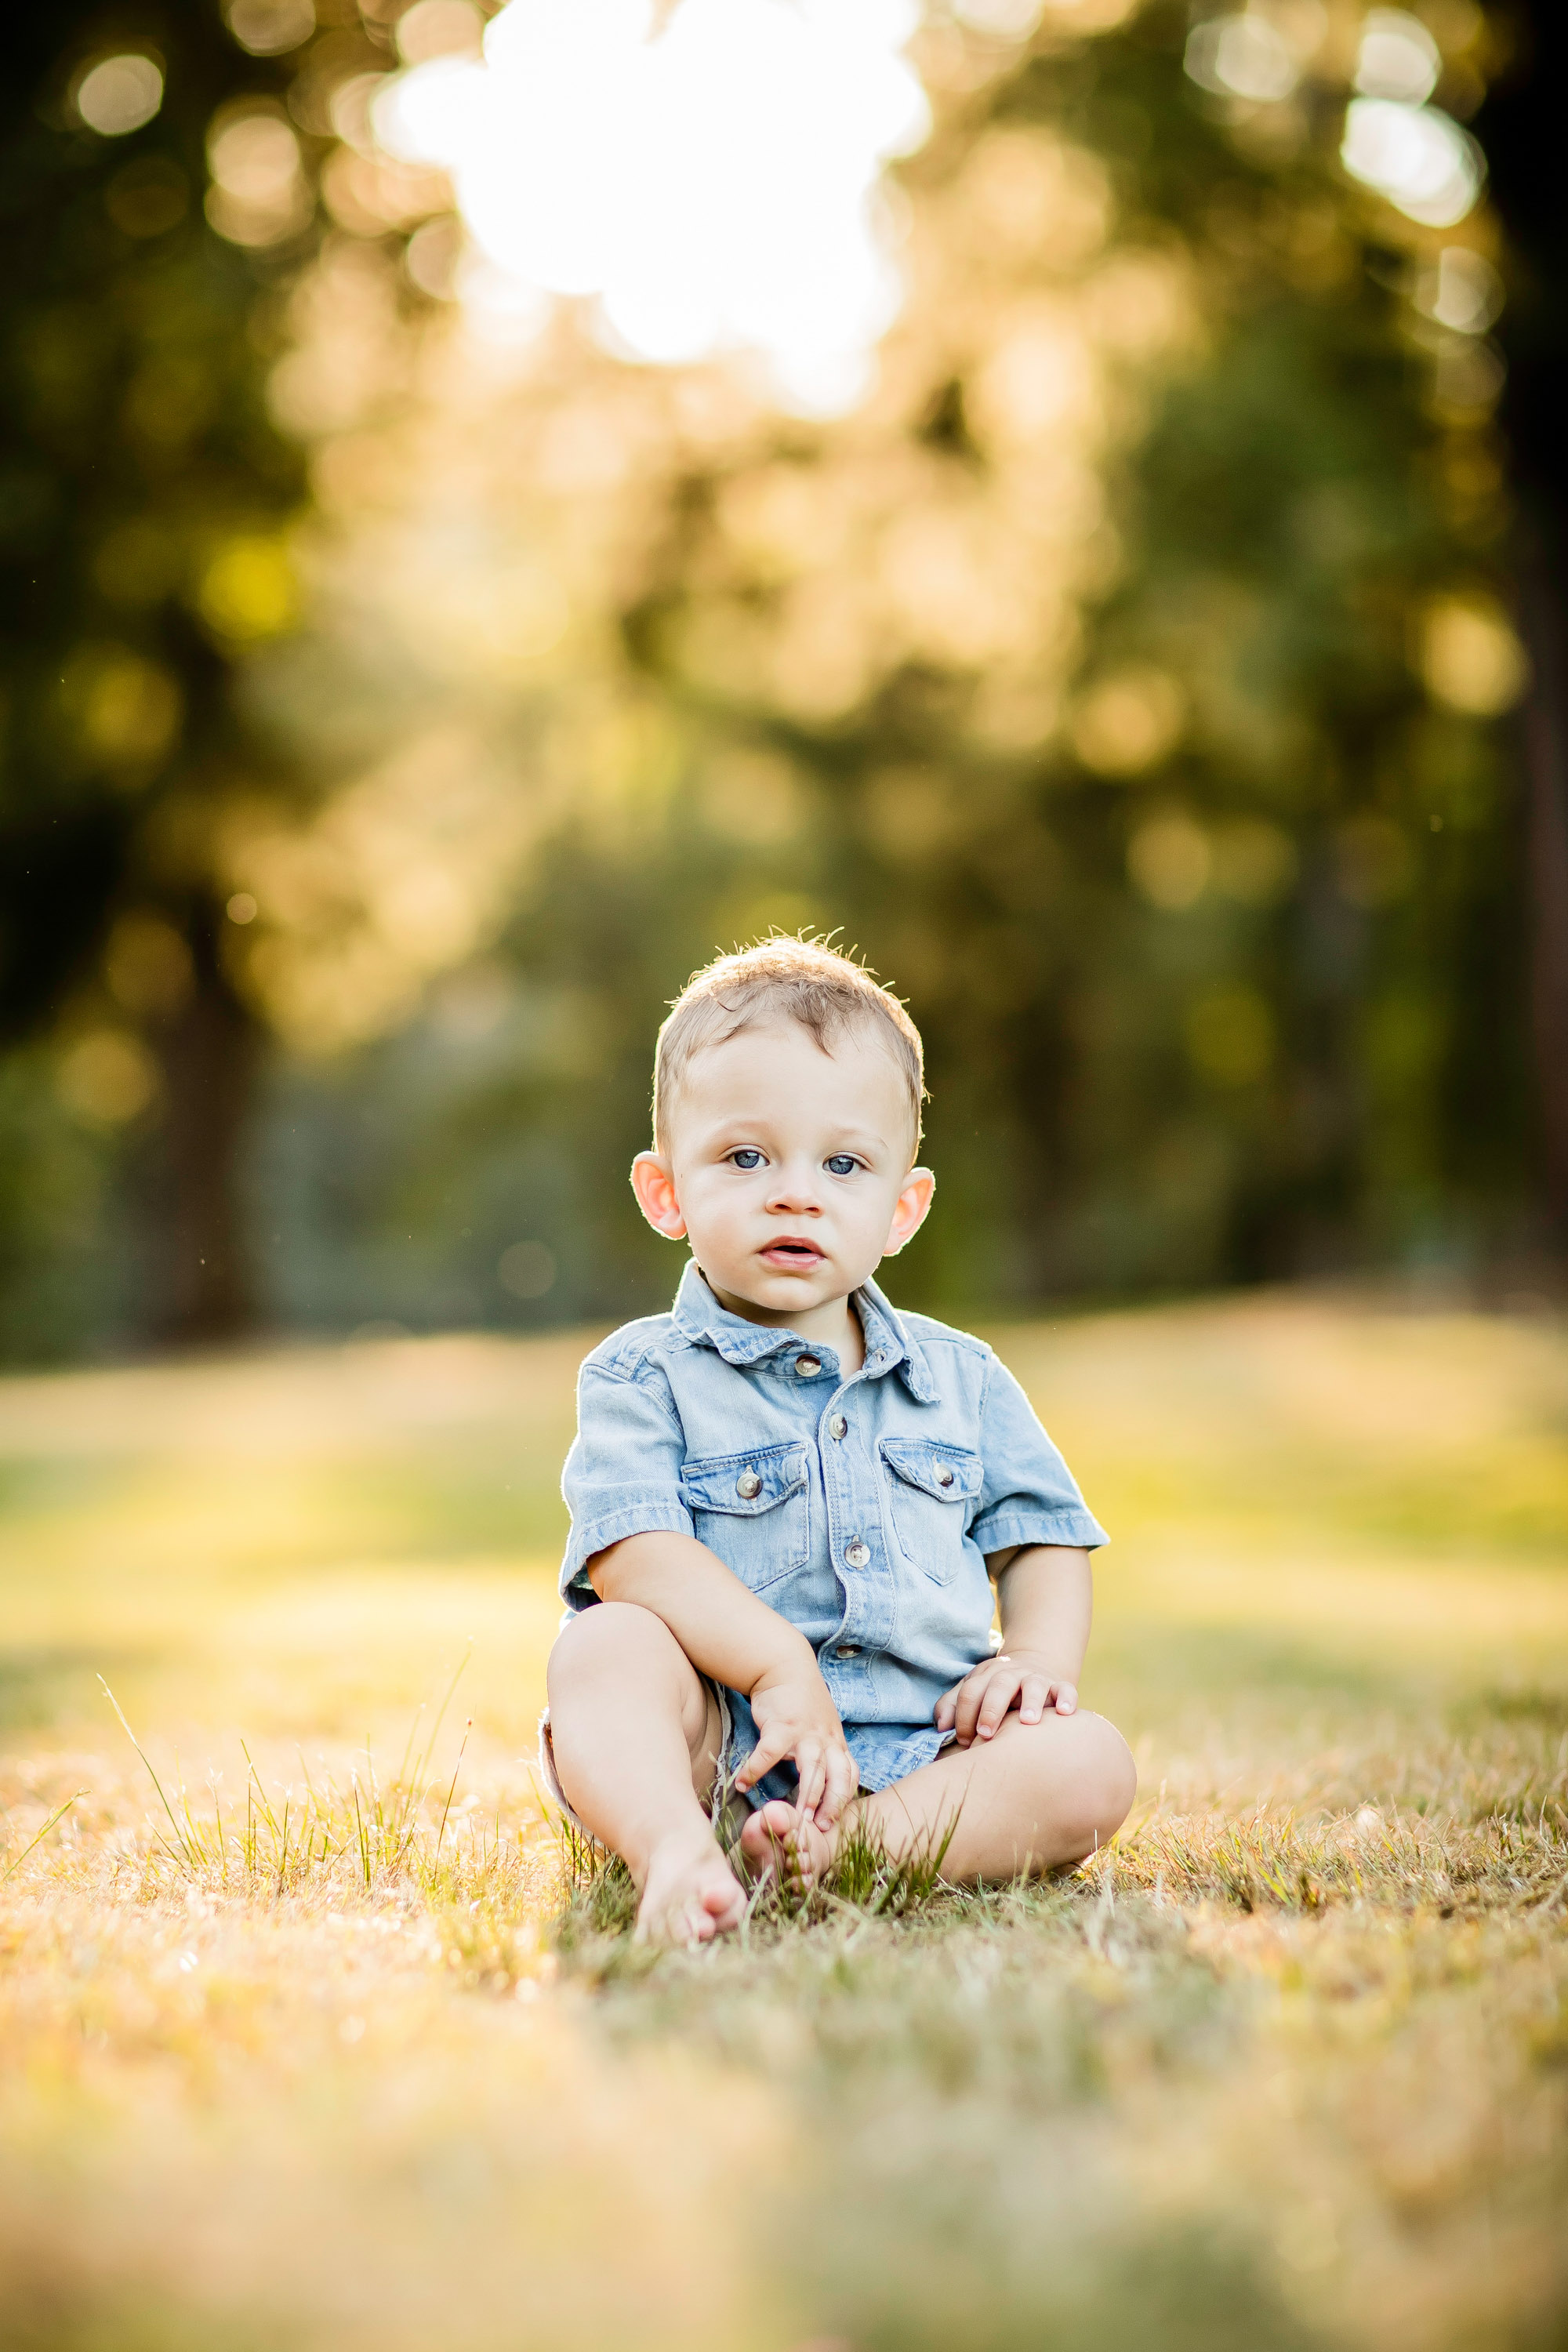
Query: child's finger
1000, 1692
971, 1692
812, 1768
1067, 1699
770, 1747
843, 1781
947, 1707
1034, 1698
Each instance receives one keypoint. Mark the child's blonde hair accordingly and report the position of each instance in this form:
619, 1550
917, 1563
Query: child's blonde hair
778, 979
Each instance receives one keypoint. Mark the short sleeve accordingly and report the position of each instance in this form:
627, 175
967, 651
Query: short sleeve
622, 1474
1028, 1495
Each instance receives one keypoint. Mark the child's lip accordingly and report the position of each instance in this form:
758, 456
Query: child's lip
794, 1252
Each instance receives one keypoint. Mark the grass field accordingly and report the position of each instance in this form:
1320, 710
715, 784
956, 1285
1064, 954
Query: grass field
316, 2058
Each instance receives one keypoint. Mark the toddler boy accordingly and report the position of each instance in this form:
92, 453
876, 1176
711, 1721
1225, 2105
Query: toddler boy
789, 1502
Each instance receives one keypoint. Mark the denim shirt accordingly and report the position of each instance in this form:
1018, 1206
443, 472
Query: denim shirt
860, 1506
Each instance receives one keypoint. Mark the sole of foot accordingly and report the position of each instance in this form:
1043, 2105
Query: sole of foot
689, 1895
776, 1844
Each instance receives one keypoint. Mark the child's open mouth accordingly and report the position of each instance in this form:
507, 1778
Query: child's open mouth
793, 1256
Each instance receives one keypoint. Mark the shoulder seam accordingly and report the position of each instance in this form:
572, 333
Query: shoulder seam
943, 1334
625, 1352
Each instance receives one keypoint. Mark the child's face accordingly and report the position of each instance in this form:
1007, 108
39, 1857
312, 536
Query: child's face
787, 1168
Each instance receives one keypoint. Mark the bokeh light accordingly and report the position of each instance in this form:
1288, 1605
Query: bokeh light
258, 194
269, 28
119, 94
1397, 57
527, 1270
710, 182
1416, 156
1463, 292
1243, 56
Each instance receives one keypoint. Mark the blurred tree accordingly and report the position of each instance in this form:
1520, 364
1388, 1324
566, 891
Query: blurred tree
143, 501
1522, 126
1124, 675
1188, 824
1127, 674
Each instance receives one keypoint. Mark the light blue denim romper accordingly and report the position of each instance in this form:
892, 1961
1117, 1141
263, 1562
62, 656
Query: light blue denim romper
860, 1508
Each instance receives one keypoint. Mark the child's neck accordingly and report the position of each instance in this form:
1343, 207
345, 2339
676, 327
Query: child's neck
835, 1324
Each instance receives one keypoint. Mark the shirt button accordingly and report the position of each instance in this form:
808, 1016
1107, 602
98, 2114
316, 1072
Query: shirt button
858, 1554
747, 1485
847, 1650
838, 1426
807, 1367
944, 1478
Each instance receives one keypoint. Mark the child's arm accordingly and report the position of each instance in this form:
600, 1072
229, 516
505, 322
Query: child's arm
728, 1633
1046, 1595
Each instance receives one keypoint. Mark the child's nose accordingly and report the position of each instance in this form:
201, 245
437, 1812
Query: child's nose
794, 1192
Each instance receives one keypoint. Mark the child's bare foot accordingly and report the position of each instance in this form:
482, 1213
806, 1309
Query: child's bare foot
690, 1893
775, 1840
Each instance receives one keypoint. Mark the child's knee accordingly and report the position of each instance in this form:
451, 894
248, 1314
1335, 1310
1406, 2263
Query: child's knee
594, 1642
617, 1643
1106, 1779
1089, 1782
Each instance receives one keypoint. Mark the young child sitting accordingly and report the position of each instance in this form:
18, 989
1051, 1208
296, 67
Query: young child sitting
789, 1501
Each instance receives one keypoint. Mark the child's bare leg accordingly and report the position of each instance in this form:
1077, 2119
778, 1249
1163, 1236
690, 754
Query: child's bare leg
1034, 1796
635, 1734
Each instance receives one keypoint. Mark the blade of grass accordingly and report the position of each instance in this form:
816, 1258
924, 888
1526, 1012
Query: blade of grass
441, 1712
58, 1814
453, 1790
191, 1863
269, 1815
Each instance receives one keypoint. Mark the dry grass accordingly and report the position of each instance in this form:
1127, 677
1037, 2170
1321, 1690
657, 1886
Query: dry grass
316, 2046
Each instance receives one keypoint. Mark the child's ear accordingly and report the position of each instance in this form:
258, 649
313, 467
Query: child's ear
910, 1215
653, 1182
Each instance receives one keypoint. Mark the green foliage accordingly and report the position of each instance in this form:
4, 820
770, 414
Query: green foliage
1244, 999
1219, 967
144, 505
132, 401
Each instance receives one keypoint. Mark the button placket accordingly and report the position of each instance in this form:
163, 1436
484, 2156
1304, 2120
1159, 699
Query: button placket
846, 1507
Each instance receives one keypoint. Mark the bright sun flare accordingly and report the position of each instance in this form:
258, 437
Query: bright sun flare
710, 177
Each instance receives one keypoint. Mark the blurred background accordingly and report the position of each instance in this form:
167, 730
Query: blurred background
1068, 500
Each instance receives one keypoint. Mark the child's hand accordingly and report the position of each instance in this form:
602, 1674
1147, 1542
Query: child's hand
974, 1708
795, 1716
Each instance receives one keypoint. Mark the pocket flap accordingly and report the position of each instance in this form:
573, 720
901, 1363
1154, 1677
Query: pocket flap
950, 1473
744, 1483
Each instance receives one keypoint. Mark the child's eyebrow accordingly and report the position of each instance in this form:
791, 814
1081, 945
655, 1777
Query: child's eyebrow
739, 1129
857, 1139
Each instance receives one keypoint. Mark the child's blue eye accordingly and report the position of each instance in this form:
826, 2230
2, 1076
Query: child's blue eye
747, 1156
842, 1163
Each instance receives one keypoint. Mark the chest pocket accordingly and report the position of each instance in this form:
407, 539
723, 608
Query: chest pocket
753, 1510
930, 1488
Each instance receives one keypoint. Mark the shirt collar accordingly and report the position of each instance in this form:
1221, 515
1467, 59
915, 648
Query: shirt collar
699, 1316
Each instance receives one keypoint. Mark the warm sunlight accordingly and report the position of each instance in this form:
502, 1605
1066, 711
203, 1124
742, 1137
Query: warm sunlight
711, 178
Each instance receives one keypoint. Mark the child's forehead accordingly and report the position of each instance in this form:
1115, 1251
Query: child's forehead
759, 1068
769, 1052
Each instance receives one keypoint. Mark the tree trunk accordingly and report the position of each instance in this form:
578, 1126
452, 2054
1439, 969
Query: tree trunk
1546, 773
1521, 129
211, 1053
